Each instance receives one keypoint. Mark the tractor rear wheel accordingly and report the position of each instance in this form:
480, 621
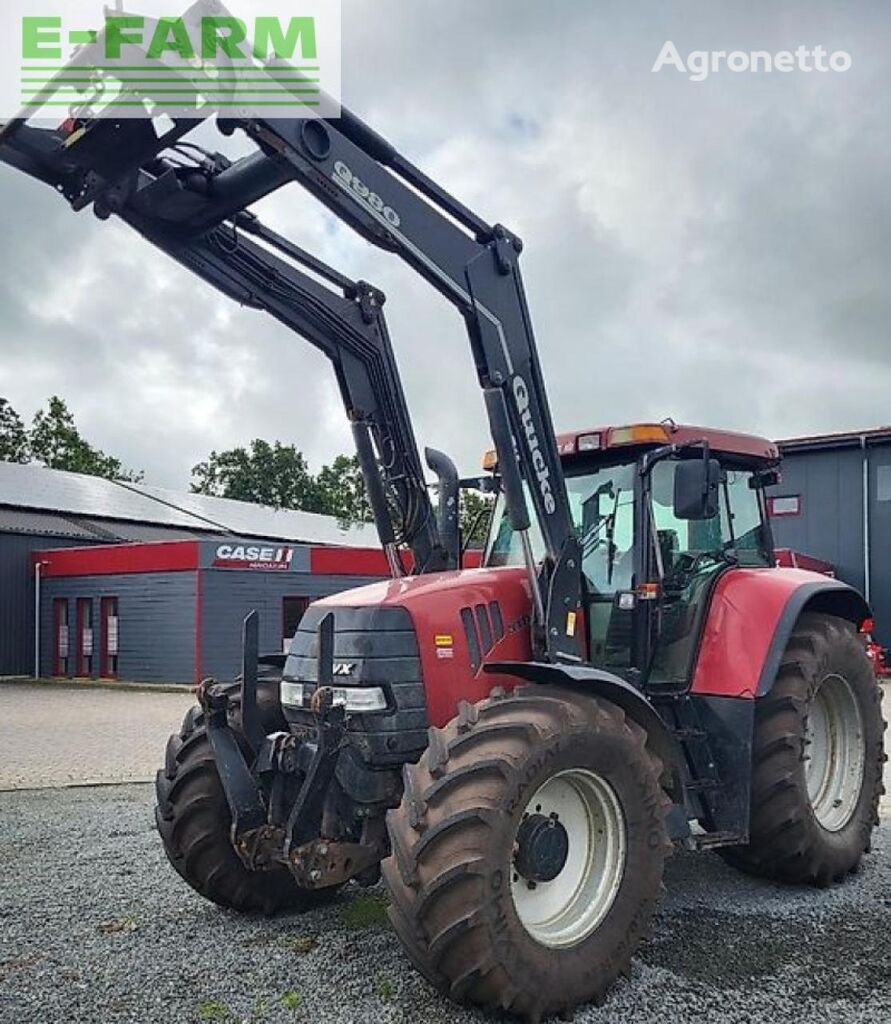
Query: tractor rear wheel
817, 759
194, 821
527, 852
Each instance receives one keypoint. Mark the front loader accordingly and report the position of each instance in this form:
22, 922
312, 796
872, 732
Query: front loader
520, 745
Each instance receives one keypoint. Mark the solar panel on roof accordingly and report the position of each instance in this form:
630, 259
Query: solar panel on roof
58, 491
245, 518
51, 490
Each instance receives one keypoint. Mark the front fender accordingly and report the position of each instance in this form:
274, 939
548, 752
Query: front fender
596, 682
750, 619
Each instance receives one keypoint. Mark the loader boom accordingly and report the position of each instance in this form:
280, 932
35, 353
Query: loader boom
117, 166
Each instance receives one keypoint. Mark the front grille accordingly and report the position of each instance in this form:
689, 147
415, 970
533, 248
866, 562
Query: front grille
381, 646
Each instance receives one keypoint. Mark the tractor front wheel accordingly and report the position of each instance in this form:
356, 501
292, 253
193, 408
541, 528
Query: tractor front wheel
194, 822
527, 852
817, 759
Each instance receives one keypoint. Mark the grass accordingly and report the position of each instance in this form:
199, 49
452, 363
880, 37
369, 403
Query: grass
291, 1001
365, 912
384, 988
211, 1010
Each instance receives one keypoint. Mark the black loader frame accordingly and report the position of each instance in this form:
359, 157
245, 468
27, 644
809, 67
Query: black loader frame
199, 217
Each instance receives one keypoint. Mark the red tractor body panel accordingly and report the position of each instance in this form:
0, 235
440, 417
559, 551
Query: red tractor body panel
745, 610
464, 619
435, 602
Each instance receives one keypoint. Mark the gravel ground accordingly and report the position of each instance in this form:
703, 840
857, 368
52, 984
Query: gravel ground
97, 927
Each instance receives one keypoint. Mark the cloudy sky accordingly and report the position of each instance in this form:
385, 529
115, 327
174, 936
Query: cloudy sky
715, 251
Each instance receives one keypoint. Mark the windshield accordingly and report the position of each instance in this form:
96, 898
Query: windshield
602, 506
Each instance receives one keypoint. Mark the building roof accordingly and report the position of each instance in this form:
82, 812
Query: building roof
13, 520
117, 510
841, 439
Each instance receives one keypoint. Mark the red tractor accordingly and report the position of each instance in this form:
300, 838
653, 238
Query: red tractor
517, 745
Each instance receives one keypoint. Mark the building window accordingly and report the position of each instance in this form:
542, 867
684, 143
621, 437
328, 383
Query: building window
883, 483
84, 637
108, 657
292, 612
784, 505
60, 636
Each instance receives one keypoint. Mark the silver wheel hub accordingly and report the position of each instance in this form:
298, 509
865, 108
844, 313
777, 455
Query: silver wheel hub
569, 858
834, 754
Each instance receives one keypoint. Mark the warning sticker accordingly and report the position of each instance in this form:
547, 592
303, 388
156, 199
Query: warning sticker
444, 640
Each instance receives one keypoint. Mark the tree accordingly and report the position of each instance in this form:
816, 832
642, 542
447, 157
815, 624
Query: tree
266, 474
14, 446
57, 443
474, 512
342, 491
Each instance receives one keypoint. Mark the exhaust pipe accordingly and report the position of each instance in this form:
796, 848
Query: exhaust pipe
447, 511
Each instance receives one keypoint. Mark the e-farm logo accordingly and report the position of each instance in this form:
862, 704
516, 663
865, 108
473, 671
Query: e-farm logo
278, 59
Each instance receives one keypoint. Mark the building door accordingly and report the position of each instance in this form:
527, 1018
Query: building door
292, 612
60, 636
84, 637
108, 652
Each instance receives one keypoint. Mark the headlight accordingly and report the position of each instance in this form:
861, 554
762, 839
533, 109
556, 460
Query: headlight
352, 698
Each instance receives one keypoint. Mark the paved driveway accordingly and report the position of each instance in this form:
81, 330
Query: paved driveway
65, 735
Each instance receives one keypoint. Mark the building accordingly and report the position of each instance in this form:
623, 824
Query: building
834, 503
173, 610
68, 541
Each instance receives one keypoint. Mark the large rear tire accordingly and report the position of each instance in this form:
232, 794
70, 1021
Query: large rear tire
817, 760
527, 852
194, 822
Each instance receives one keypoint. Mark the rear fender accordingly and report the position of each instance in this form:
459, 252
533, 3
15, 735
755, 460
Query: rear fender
752, 615
595, 682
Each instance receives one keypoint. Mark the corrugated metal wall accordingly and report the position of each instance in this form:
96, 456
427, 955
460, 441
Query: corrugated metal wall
228, 595
157, 623
830, 524
17, 598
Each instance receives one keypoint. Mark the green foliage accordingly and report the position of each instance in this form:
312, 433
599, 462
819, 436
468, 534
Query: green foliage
267, 474
277, 475
474, 512
384, 988
291, 1001
55, 441
211, 1010
364, 912
14, 444
342, 490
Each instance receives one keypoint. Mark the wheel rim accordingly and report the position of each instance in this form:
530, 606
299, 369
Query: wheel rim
567, 909
834, 755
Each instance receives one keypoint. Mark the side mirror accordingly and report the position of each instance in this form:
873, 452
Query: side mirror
696, 483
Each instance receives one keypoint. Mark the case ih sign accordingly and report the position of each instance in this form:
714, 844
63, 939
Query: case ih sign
251, 556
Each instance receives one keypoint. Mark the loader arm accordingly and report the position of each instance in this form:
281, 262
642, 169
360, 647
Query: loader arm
117, 166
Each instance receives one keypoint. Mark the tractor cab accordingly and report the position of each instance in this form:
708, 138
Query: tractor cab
661, 512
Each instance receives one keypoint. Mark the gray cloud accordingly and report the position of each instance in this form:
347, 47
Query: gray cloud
715, 251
